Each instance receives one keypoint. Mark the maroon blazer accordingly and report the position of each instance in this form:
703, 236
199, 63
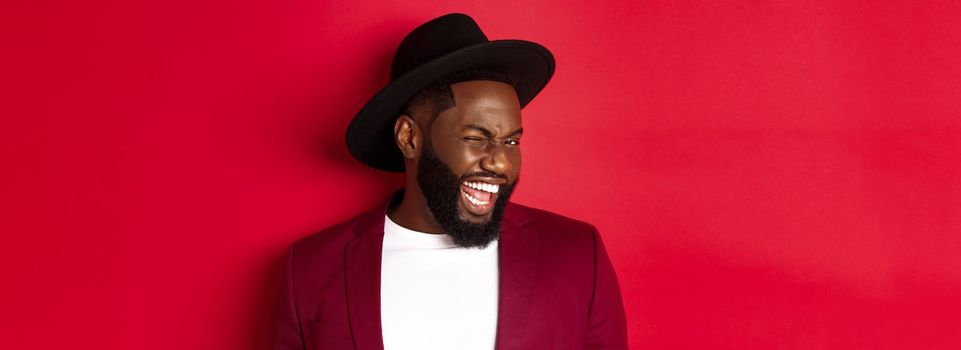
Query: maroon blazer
558, 289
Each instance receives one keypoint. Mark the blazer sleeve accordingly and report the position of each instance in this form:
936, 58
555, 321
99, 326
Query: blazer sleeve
285, 328
607, 326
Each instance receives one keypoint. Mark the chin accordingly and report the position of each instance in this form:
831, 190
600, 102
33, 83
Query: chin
474, 219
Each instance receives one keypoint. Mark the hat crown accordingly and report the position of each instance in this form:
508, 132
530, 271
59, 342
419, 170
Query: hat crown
434, 39
439, 48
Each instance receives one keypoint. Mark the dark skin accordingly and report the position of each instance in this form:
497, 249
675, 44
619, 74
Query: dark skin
480, 133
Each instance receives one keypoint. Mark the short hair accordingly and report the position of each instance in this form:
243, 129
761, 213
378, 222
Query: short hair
439, 95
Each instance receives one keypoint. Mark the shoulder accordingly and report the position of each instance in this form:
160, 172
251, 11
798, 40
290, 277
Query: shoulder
543, 218
326, 246
565, 254
560, 228
335, 232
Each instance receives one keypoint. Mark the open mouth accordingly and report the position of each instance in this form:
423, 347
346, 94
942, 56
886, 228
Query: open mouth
478, 196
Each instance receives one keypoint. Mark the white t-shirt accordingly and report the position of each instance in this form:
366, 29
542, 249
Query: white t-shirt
434, 295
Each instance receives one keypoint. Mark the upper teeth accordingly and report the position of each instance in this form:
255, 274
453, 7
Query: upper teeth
486, 187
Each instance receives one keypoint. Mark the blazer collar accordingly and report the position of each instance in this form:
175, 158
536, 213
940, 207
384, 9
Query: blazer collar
517, 257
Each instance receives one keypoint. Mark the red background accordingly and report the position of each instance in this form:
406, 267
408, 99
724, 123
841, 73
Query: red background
765, 174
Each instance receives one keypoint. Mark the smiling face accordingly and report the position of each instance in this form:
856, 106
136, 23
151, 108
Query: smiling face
479, 140
471, 161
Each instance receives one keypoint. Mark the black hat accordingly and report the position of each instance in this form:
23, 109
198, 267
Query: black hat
442, 47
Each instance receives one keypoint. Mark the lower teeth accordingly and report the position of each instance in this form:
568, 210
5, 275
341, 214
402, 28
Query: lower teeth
473, 200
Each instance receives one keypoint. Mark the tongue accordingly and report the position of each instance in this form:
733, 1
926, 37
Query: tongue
477, 194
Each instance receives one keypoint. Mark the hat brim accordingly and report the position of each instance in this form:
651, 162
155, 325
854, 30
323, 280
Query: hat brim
370, 135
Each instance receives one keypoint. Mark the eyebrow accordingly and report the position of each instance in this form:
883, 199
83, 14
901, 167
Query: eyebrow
488, 133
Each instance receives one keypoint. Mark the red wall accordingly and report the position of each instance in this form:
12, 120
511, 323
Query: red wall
765, 175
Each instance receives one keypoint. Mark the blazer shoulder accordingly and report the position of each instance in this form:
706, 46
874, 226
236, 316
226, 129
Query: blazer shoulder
557, 224
326, 243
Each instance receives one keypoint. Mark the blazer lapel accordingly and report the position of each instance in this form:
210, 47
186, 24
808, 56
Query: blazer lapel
518, 258
362, 270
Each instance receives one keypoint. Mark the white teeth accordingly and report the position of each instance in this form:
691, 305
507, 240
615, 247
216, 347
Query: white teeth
486, 187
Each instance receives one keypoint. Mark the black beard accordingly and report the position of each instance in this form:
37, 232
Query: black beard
442, 190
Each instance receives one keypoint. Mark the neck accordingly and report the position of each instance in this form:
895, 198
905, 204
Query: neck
413, 213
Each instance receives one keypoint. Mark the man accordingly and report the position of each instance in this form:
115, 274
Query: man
448, 262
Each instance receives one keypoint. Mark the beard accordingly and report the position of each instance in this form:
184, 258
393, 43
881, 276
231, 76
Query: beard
442, 190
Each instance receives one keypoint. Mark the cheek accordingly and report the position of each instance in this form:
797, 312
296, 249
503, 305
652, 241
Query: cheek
469, 159
516, 158
461, 159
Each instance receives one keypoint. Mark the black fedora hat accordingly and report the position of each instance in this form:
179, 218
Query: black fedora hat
442, 47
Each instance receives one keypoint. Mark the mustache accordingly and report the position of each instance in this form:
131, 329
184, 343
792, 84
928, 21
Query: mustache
483, 173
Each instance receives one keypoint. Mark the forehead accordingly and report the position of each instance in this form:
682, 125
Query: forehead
491, 104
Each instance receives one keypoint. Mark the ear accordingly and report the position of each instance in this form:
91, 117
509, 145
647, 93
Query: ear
408, 136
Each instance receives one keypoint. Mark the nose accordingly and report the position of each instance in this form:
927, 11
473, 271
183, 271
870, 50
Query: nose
496, 160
